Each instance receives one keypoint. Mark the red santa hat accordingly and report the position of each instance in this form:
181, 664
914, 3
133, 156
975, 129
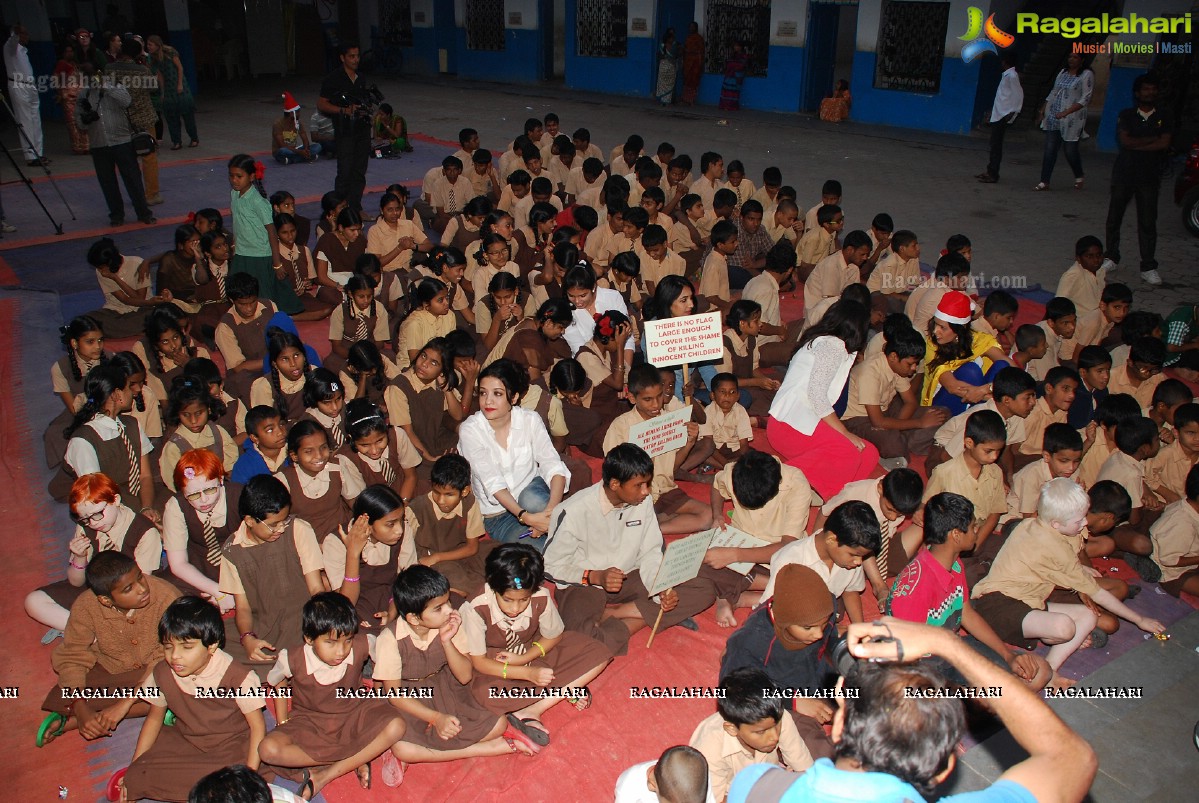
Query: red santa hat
955, 307
289, 103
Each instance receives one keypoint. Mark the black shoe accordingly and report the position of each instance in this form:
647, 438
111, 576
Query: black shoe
1144, 566
116, 221
689, 624
148, 220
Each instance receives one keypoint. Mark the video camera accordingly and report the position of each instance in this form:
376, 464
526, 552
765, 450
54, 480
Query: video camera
367, 102
89, 115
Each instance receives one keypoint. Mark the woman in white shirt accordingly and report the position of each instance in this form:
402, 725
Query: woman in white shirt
588, 300
516, 474
803, 427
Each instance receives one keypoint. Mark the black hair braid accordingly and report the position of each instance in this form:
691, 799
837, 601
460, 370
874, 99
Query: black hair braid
277, 394
86, 413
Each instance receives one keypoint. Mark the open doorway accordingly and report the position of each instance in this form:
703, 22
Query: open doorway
829, 49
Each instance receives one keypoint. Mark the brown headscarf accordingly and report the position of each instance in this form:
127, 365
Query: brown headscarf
800, 598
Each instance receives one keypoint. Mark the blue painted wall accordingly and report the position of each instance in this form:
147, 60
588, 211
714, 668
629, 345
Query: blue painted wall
779, 91
182, 41
520, 61
635, 74
1118, 98
949, 111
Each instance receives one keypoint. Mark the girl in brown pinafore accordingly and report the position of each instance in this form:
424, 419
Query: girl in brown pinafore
575, 395
197, 521
422, 401
364, 558
272, 566
361, 318
241, 334
499, 311
741, 357
328, 732
166, 348
209, 732
536, 343
423, 652
84, 341
376, 452
368, 373
325, 403
449, 528
283, 387
517, 642
319, 492
103, 523
211, 295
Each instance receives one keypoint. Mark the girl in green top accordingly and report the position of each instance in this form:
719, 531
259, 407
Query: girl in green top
254, 234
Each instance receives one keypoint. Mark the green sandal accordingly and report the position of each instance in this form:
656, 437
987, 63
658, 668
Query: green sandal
168, 718
53, 726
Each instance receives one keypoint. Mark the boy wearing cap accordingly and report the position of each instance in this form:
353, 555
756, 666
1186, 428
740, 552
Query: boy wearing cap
289, 137
785, 637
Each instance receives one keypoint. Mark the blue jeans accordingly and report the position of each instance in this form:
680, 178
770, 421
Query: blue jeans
1054, 142
505, 529
971, 374
287, 155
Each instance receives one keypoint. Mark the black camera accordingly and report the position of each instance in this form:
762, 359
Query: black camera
367, 102
89, 115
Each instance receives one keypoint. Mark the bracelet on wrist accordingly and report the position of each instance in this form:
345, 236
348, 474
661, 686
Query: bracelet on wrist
520, 517
504, 674
246, 635
351, 579
537, 644
586, 577
75, 565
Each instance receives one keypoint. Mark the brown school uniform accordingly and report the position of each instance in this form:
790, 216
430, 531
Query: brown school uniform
341, 258
208, 733
1127, 471
530, 348
233, 420
326, 726
1169, 469
133, 535
326, 512
212, 300
388, 469
1022, 499
161, 371
489, 631
334, 427
183, 528
815, 244
1034, 560
828, 279
377, 570
1092, 329
986, 492
784, 515
62, 380
113, 457
872, 382
1036, 423
239, 339
437, 532
373, 324
411, 402
421, 664
1093, 460
951, 435
598, 366
1175, 535
376, 386
714, 277
271, 577
213, 437
664, 489
460, 233
104, 649
419, 328
741, 359
292, 393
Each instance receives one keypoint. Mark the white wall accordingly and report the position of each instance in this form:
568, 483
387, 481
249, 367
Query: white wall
870, 13
427, 7
648, 11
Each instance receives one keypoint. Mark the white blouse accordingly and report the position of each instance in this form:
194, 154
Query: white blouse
530, 454
814, 381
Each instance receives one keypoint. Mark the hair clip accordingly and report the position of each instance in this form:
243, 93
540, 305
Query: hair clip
372, 417
334, 386
516, 582
189, 473
191, 217
259, 170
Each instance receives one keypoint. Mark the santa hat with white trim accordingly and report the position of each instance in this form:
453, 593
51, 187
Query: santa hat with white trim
955, 308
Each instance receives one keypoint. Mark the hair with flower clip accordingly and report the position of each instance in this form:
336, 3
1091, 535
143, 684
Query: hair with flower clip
259, 170
191, 217
607, 325
252, 168
198, 464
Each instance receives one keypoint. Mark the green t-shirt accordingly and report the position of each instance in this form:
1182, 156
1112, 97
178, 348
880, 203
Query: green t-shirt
251, 216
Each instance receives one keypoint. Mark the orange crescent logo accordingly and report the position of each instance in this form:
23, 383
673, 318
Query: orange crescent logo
996, 34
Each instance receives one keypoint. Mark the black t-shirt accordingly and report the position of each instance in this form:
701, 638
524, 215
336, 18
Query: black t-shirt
337, 84
1141, 165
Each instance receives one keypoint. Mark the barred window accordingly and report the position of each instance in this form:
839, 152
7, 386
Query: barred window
395, 22
911, 46
602, 28
485, 24
728, 21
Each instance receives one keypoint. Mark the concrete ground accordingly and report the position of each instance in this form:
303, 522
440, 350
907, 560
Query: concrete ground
924, 180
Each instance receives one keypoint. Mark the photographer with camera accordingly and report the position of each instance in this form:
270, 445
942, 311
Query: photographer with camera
895, 737
347, 99
103, 109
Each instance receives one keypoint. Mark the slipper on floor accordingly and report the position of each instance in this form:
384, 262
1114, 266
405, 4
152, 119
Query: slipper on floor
392, 770
690, 624
526, 726
113, 790
1098, 639
306, 784
52, 634
516, 735
364, 778
53, 726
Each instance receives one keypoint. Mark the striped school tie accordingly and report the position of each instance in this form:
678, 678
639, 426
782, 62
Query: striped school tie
339, 437
512, 641
881, 557
135, 463
210, 541
220, 285
452, 205
389, 475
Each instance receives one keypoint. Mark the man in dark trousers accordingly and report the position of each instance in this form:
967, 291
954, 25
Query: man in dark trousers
1143, 133
341, 92
1009, 99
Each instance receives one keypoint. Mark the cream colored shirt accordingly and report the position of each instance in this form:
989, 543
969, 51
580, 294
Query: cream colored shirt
618, 432
865, 491
726, 429
263, 392
726, 757
386, 651
174, 525
305, 545
804, 552
226, 341
380, 334
1127, 471
333, 553
872, 382
1169, 469
1082, 287
1036, 423
148, 554
195, 440
1033, 561
894, 275
784, 515
986, 492
815, 244
418, 329
951, 435
207, 678
381, 239
1175, 535
714, 277
549, 623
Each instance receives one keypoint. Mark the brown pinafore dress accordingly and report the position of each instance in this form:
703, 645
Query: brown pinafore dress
374, 587
369, 475
430, 420
273, 580
113, 457
197, 548
580, 471
428, 669
214, 305
228, 421
463, 236
325, 513
444, 535
324, 726
571, 658
293, 403
217, 447
54, 443
251, 339
529, 348
355, 328
65, 594
743, 368
337, 434
208, 734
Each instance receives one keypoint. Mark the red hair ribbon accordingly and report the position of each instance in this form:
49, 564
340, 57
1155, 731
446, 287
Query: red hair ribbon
259, 170
603, 325
191, 217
